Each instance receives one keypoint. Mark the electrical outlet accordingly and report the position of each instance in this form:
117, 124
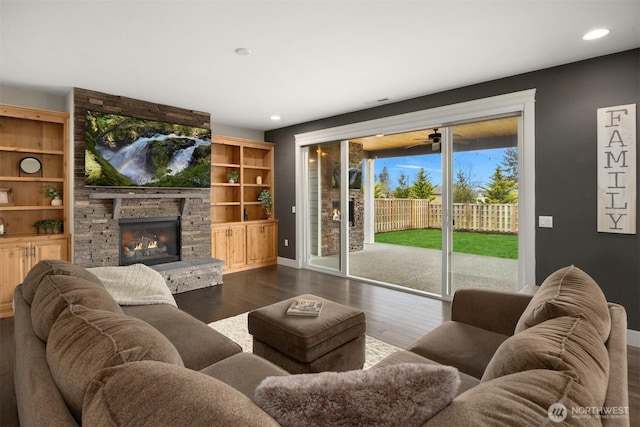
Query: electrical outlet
293, 209
286, 242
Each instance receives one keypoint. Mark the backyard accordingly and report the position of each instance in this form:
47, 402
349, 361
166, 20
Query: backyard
493, 245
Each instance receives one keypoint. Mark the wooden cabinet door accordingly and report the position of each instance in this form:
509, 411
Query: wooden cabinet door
49, 249
261, 243
228, 244
220, 243
237, 246
269, 242
13, 269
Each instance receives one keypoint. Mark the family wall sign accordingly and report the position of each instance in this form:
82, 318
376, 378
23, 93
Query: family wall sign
617, 160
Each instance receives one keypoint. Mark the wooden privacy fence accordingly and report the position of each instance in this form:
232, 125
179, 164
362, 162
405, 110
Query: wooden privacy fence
409, 214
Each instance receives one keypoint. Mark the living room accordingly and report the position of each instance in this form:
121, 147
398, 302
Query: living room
567, 96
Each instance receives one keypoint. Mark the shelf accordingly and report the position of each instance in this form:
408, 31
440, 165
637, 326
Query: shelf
256, 167
226, 204
30, 150
30, 179
117, 199
31, 208
225, 184
226, 165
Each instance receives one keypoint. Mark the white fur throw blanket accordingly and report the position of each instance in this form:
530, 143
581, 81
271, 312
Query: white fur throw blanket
135, 284
396, 395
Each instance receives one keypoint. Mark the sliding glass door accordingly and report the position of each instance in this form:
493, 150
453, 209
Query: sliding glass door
482, 237
323, 207
434, 209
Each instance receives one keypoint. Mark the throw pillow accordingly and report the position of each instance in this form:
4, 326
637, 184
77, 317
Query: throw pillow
57, 292
150, 393
566, 292
404, 394
82, 341
569, 344
52, 267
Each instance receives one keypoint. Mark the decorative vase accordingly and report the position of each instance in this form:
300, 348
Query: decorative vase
259, 180
56, 201
232, 181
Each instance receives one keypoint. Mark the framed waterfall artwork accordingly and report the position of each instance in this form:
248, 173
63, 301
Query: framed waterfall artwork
617, 158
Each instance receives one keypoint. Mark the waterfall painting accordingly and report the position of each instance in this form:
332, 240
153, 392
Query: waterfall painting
123, 151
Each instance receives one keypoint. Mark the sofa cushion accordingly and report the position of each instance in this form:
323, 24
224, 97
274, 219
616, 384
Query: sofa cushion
52, 267
403, 356
466, 347
569, 344
403, 395
198, 348
520, 399
82, 341
568, 291
166, 395
57, 292
243, 371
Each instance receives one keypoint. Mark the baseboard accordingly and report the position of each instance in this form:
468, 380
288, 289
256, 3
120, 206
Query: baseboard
288, 262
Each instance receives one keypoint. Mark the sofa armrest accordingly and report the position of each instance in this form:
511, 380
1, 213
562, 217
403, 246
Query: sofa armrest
618, 389
495, 311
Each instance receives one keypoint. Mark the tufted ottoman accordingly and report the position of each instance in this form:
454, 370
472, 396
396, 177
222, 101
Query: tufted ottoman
333, 341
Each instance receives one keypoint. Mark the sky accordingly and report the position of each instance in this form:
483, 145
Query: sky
483, 164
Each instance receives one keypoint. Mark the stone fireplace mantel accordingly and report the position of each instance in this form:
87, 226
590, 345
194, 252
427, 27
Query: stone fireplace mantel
117, 199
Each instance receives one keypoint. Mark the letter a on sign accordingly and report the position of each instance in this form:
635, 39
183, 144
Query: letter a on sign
617, 160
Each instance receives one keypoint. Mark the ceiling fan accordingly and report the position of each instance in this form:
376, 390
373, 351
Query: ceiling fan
433, 139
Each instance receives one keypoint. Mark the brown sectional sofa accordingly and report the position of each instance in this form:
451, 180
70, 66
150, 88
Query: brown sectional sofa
82, 358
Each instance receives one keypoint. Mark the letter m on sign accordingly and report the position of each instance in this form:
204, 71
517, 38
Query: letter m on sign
617, 159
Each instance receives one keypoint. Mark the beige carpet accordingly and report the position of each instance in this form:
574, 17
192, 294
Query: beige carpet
236, 328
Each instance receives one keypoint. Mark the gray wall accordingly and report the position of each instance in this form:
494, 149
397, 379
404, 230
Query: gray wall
567, 98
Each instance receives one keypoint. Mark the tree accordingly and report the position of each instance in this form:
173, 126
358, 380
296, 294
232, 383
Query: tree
510, 164
383, 180
500, 189
464, 189
402, 190
377, 191
422, 187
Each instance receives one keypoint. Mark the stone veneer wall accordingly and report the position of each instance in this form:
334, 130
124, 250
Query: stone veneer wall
95, 231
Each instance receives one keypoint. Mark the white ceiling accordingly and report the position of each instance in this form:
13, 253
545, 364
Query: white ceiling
310, 58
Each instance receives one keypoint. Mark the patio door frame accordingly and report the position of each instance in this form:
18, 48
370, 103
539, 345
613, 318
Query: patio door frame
522, 102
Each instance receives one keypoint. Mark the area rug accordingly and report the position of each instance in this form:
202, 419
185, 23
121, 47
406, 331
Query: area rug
236, 328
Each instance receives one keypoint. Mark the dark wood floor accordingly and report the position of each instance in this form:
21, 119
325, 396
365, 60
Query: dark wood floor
398, 318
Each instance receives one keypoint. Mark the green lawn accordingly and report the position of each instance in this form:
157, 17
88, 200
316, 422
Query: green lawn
495, 245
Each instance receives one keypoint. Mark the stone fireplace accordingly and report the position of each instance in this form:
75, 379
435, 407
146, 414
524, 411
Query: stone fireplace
149, 241
99, 211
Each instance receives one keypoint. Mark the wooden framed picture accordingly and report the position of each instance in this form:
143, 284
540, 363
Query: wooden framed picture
5, 197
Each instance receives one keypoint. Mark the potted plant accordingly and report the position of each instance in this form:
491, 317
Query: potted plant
232, 176
55, 193
265, 198
49, 226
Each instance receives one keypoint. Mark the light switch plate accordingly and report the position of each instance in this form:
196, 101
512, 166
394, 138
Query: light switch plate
545, 221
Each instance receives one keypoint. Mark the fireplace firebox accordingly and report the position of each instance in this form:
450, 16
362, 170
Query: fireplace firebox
149, 241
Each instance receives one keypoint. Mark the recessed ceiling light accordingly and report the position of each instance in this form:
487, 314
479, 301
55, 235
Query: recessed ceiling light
243, 51
275, 117
380, 135
595, 34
